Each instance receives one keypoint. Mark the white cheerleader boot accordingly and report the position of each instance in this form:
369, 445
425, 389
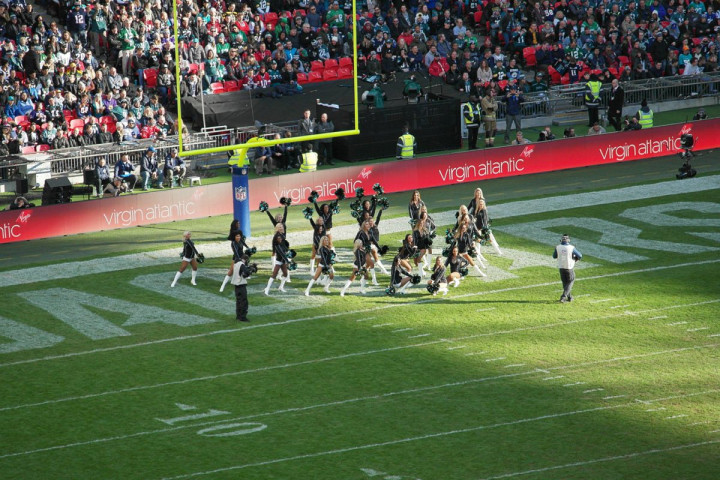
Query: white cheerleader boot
480, 272
327, 286
403, 288
479, 261
362, 286
374, 278
177, 277
382, 268
307, 290
443, 289
495, 244
456, 283
193, 274
312, 266
345, 287
282, 283
225, 281
269, 284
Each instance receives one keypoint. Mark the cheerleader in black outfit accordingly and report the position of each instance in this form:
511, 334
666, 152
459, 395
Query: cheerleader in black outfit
325, 265
430, 225
237, 242
367, 210
400, 278
319, 231
281, 259
478, 208
375, 232
463, 216
438, 279
464, 241
457, 265
422, 240
415, 205
407, 251
189, 256
325, 211
280, 220
358, 267
368, 242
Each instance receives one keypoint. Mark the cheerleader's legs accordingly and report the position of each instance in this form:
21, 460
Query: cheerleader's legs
454, 279
227, 278
371, 268
378, 262
318, 272
479, 257
183, 266
274, 275
495, 245
405, 283
312, 258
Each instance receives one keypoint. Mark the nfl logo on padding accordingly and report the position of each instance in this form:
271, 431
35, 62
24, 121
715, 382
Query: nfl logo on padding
240, 194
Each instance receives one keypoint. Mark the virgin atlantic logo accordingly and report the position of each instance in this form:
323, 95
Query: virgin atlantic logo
365, 173
527, 151
24, 216
686, 129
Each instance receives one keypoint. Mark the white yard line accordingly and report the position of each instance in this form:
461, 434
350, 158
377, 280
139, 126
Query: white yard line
594, 390
605, 459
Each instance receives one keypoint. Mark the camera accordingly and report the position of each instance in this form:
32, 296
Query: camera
686, 143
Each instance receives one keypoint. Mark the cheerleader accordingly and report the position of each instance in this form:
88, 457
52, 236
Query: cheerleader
325, 211
415, 205
375, 233
189, 256
464, 243
282, 221
237, 243
367, 210
458, 266
438, 280
422, 240
325, 266
478, 209
407, 251
281, 258
368, 242
430, 225
464, 217
358, 267
400, 278
319, 232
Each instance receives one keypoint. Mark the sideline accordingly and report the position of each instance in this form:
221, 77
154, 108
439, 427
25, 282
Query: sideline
347, 232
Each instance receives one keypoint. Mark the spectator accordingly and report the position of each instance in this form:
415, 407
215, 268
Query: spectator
596, 129
325, 144
175, 168
546, 134
115, 188
19, 203
150, 172
513, 115
519, 139
126, 170
102, 176
569, 133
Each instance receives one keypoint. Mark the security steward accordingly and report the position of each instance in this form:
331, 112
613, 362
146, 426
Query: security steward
406, 144
645, 115
471, 114
309, 161
592, 98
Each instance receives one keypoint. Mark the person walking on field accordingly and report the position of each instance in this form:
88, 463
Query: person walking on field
566, 255
615, 105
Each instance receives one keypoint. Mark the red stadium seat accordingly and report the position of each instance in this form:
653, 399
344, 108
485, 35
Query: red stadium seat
529, 56
300, 12
565, 79
107, 119
317, 66
21, 119
271, 17
555, 76
150, 75
231, 86
193, 68
345, 62
28, 149
42, 148
344, 73
315, 77
624, 60
217, 87
330, 75
302, 78
331, 63
77, 123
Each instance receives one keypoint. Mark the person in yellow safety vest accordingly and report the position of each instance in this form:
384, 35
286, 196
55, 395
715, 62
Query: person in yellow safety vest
239, 157
406, 144
309, 160
592, 98
645, 115
471, 114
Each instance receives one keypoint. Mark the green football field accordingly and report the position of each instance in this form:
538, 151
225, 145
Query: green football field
108, 373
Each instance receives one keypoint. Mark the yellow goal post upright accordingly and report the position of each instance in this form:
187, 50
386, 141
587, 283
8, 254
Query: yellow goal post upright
256, 141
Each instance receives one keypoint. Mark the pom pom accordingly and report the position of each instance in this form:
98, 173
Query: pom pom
415, 279
367, 247
264, 206
378, 189
250, 251
326, 271
432, 288
288, 201
292, 266
463, 271
355, 205
390, 291
291, 253
359, 193
355, 214
335, 208
384, 249
340, 194
200, 258
283, 201
433, 234
181, 254
446, 251
313, 196
332, 258
384, 203
412, 222
307, 212
472, 252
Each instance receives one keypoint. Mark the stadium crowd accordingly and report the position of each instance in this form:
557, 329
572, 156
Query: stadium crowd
104, 72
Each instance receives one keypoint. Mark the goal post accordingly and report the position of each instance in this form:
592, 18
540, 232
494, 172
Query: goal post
259, 142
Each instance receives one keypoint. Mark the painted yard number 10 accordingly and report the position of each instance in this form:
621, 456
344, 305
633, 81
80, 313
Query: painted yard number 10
222, 429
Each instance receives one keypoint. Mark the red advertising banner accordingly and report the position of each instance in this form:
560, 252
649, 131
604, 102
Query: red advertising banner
399, 176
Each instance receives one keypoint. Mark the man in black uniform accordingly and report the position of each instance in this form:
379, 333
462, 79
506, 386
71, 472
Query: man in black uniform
241, 272
615, 105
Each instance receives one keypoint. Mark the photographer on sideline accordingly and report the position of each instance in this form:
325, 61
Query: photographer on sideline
700, 115
566, 256
241, 272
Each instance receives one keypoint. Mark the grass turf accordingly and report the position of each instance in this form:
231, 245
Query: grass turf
496, 380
